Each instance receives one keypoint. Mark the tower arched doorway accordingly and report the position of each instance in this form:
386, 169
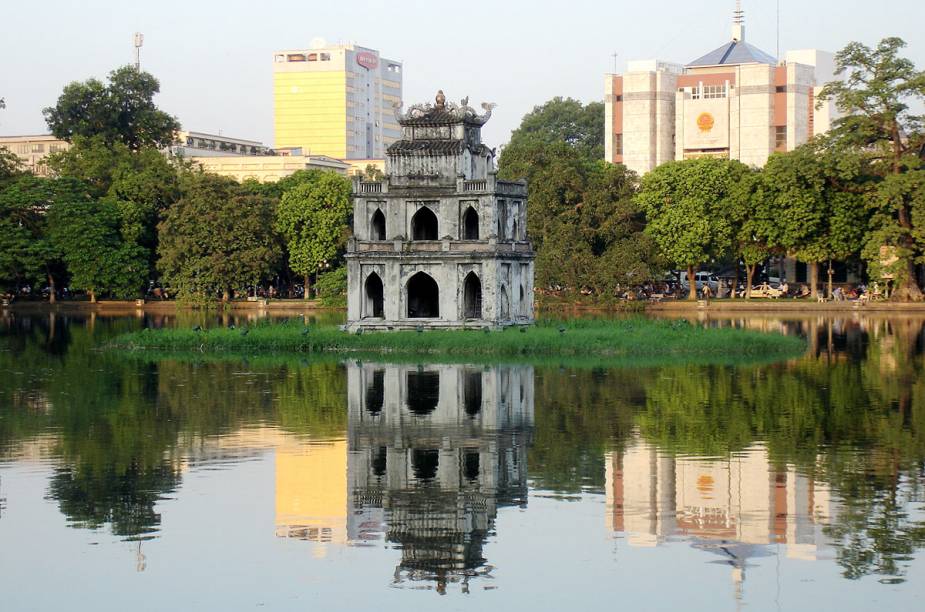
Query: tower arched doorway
375, 299
472, 297
423, 297
424, 225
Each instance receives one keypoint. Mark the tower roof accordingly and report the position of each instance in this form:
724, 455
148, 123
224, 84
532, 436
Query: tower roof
732, 53
737, 51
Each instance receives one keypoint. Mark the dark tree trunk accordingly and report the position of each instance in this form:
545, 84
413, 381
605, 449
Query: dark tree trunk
749, 276
813, 269
691, 284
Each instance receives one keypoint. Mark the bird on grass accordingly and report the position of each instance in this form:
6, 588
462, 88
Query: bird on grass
305, 332
197, 328
244, 331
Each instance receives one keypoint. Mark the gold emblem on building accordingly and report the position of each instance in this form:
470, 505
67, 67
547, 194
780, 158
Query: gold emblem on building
705, 122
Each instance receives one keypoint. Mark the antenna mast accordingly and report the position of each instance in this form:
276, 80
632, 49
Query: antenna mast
139, 40
738, 23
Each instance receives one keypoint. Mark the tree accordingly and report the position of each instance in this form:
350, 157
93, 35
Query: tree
812, 208
754, 223
564, 120
875, 98
144, 182
88, 234
25, 251
688, 205
313, 219
121, 112
216, 239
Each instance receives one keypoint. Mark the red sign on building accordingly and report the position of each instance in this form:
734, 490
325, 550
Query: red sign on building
368, 60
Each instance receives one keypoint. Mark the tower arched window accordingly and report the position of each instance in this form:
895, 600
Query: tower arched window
424, 224
470, 222
377, 226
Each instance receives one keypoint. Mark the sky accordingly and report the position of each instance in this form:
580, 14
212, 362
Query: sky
214, 58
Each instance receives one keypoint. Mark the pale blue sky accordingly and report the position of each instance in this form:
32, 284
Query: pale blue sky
213, 58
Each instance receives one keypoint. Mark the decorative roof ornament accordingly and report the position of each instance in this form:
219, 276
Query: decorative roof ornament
442, 112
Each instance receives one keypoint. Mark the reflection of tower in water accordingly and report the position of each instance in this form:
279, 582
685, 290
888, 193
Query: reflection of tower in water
433, 452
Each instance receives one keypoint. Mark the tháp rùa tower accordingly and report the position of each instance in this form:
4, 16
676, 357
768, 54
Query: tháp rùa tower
440, 242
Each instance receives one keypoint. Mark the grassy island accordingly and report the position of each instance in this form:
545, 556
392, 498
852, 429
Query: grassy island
629, 341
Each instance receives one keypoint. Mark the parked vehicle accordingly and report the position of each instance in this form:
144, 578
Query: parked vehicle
702, 279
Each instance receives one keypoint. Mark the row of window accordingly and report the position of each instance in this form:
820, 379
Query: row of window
424, 226
38, 147
303, 57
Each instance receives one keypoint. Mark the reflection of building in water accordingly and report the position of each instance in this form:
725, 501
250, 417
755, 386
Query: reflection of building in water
743, 499
311, 491
434, 451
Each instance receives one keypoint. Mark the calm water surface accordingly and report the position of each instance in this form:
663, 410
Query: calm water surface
296, 483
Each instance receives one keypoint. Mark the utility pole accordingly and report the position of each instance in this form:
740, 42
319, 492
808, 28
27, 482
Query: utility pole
139, 40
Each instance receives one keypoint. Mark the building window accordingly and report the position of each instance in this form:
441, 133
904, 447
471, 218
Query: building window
296, 57
279, 58
618, 144
780, 138
780, 89
54, 148
38, 148
325, 57
394, 68
708, 92
23, 149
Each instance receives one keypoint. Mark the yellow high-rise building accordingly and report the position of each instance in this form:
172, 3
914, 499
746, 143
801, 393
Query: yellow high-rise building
335, 101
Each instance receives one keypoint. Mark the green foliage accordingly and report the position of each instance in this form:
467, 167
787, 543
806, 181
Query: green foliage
689, 208
24, 248
584, 223
312, 218
122, 111
10, 166
608, 341
216, 239
332, 287
810, 206
563, 120
100, 257
875, 97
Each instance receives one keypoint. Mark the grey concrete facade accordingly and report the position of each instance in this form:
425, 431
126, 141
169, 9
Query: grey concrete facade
433, 452
440, 242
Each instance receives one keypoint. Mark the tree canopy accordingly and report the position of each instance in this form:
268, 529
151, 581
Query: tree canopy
313, 219
216, 239
876, 96
688, 205
122, 111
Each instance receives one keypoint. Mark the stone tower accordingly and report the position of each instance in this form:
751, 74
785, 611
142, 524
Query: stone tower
440, 242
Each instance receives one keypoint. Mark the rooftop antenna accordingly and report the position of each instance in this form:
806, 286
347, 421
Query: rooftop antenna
738, 23
139, 40
614, 56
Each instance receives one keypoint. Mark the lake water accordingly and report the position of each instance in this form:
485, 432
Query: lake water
293, 483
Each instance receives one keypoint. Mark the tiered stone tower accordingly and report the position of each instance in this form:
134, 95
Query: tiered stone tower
440, 242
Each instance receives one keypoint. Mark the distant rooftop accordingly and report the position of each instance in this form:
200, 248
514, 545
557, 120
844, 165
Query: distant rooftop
736, 51
732, 53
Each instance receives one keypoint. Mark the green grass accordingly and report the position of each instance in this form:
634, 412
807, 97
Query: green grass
632, 341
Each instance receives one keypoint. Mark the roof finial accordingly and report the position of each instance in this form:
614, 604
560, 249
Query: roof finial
440, 100
738, 23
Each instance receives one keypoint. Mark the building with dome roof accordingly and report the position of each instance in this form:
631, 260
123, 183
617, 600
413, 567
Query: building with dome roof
736, 102
440, 242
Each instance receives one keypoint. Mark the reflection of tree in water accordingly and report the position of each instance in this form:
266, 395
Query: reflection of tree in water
123, 498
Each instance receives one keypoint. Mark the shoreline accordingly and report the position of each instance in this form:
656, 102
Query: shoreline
671, 306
